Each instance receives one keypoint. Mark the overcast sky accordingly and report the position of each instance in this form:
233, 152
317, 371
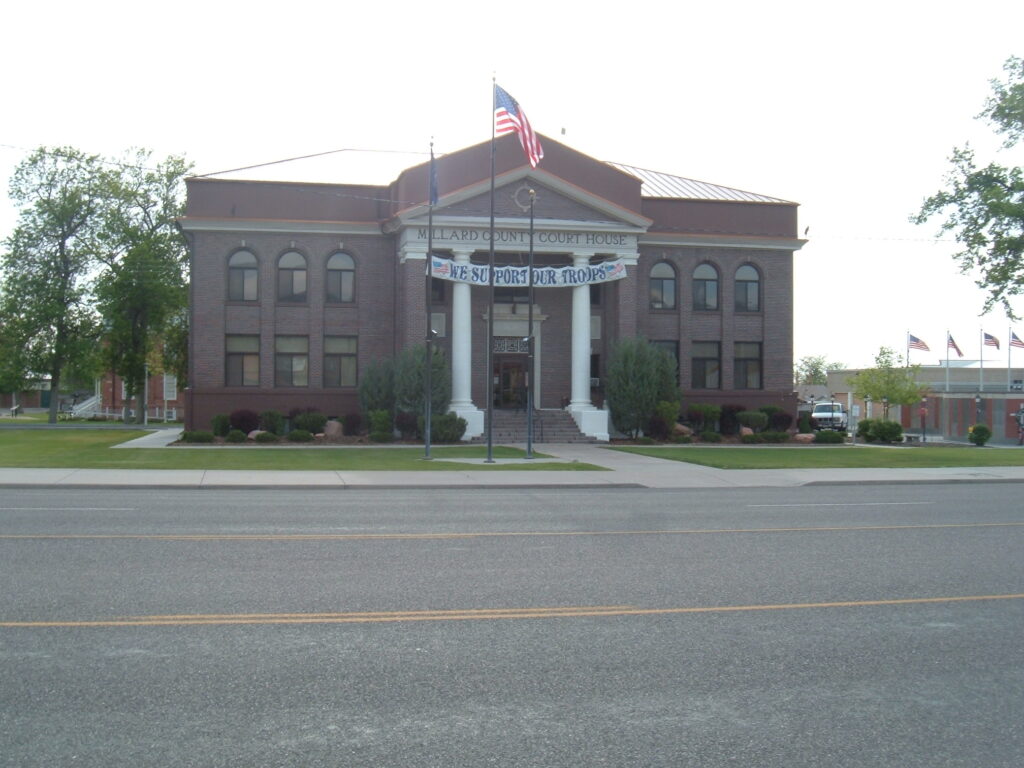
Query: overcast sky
849, 110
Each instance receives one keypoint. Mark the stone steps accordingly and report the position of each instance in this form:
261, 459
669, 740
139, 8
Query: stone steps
553, 426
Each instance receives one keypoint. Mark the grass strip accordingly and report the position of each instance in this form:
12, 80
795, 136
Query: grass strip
833, 457
90, 449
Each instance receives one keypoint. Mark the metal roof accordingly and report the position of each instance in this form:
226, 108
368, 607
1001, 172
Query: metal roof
657, 184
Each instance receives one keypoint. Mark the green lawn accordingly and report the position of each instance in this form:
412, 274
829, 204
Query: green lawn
91, 449
828, 457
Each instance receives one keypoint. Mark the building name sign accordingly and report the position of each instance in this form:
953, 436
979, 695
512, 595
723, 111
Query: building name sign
543, 277
540, 237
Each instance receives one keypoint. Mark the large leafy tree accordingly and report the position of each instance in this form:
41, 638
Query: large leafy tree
889, 382
813, 369
639, 376
142, 289
48, 261
984, 206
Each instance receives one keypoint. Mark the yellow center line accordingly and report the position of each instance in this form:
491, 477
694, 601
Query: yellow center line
482, 534
380, 617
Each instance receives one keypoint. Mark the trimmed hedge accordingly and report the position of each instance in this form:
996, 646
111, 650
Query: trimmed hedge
267, 437
235, 436
828, 436
220, 424
245, 420
272, 421
979, 434
198, 436
300, 436
309, 421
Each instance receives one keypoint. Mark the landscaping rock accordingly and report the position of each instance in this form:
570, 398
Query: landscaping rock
681, 429
803, 437
252, 435
746, 431
332, 429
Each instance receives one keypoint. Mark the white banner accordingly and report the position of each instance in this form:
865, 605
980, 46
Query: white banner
543, 277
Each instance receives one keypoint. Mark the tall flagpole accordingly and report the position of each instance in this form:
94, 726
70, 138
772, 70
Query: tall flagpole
981, 359
1009, 355
948, 337
489, 389
906, 364
529, 341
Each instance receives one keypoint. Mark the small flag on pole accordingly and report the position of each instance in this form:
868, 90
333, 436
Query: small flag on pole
1014, 341
990, 340
952, 345
509, 117
915, 343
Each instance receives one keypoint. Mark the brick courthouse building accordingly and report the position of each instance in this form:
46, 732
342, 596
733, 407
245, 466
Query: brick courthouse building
297, 287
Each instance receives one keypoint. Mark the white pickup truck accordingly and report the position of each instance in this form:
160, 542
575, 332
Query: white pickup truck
829, 416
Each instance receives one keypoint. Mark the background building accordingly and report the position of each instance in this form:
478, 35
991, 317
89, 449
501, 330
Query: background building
297, 287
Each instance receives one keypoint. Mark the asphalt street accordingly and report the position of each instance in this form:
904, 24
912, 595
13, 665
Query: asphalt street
869, 625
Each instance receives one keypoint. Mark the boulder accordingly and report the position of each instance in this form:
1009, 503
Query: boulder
746, 431
252, 435
332, 429
681, 429
803, 437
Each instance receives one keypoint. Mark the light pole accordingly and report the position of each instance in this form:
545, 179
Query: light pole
885, 407
924, 418
977, 409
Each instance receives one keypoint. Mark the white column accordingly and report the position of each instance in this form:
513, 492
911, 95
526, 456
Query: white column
580, 393
462, 357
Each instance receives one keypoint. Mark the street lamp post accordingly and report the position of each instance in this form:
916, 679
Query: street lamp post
885, 407
977, 409
924, 419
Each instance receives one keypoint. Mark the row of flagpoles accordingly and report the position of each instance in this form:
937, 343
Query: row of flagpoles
984, 340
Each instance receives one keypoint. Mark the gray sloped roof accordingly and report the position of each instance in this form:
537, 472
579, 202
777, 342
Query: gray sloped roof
657, 184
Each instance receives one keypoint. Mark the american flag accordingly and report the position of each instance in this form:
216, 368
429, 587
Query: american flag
990, 340
952, 345
915, 343
509, 117
439, 267
1014, 341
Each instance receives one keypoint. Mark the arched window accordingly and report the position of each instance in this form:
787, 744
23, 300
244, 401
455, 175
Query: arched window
243, 277
748, 289
705, 287
341, 279
291, 277
663, 286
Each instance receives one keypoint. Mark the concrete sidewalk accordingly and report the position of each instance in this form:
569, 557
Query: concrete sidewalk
622, 470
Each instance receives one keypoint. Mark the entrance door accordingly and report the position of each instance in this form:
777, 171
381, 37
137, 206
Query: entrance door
510, 382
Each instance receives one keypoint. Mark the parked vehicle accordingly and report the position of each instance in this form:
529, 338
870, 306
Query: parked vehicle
829, 416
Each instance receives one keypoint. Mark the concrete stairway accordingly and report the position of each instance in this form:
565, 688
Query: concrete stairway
554, 426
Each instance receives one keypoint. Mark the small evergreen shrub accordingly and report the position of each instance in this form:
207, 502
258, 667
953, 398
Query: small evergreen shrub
245, 420
772, 436
979, 434
408, 424
887, 431
804, 423
220, 424
755, 420
864, 430
644, 440
300, 436
707, 436
826, 436
703, 416
267, 437
235, 436
728, 421
448, 428
272, 421
779, 421
753, 439
352, 424
682, 439
198, 436
770, 410
310, 421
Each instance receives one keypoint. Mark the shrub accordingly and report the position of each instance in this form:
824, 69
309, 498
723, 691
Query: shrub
752, 439
804, 423
382, 437
447, 428
272, 421
638, 376
245, 420
352, 424
770, 436
235, 436
728, 421
663, 420
979, 434
887, 431
682, 439
380, 421
408, 424
829, 436
198, 436
864, 430
755, 420
300, 436
220, 424
703, 416
311, 421
644, 440
377, 387
770, 410
707, 436
780, 421
266, 437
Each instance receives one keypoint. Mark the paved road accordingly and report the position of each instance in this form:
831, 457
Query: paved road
853, 626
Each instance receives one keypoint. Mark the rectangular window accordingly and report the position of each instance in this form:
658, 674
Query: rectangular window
707, 365
672, 348
504, 294
242, 284
291, 361
291, 285
339, 361
170, 386
341, 286
242, 361
747, 365
748, 296
437, 290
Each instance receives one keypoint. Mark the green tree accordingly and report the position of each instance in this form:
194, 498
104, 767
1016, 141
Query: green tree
639, 376
813, 369
984, 207
410, 381
45, 299
143, 289
889, 382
